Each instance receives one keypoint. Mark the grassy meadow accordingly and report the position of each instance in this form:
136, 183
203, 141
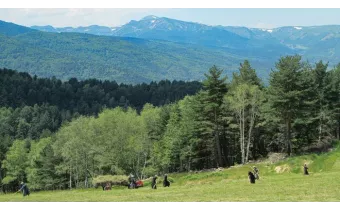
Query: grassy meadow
281, 181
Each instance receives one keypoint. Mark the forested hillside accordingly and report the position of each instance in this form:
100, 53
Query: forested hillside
226, 122
313, 42
87, 97
127, 60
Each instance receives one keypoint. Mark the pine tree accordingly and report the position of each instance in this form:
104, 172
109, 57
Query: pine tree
321, 106
285, 93
334, 99
247, 75
215, 88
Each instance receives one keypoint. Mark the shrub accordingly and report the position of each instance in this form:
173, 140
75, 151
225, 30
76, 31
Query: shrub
119, 180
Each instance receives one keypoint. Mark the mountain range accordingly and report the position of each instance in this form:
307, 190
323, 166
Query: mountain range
156, 48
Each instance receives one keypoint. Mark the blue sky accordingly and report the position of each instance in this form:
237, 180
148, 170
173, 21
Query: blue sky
257, 18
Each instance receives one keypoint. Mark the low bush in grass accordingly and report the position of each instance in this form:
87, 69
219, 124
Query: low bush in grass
119, 180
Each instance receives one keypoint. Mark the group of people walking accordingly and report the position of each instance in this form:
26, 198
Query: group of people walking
252, 175
166, 182
133, 184
255, 174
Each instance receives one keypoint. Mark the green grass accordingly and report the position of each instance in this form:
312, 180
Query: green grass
228, 185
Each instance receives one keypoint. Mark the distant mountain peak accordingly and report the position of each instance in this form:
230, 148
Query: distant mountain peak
298, 28
150, 17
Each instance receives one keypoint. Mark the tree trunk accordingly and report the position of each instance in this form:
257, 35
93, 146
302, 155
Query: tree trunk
142, 174
76, 181
288, 137
217, 141
180, 164
338, 130
70, 184
137, 167
86, 169
241, 138
252, 119
189, 164
0, 173
86, 180
219, 155
257, 149
93, 168
320, 125
225, 152
320, 130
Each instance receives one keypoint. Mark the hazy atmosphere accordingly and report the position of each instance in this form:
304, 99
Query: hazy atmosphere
255, 18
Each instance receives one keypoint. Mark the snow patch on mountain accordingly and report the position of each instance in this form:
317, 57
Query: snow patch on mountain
150, 17
266, 30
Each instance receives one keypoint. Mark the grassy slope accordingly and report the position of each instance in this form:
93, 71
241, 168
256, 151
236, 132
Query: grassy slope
227, 185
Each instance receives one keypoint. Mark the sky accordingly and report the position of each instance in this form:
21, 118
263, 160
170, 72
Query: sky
254, 18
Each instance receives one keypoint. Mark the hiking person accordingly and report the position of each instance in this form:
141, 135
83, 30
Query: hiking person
305, 169
108, 186
132, 182
251, 177
256, 173
154, 182
166, 183
24, 189
103, 185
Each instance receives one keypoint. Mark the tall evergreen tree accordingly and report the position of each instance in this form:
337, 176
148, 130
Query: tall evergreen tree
215, 88
321, 105
285, 92
246, 75
334, 99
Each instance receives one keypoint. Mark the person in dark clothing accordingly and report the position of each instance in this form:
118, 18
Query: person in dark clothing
103, 186
108, 186
130, 178
256, 172
166, 183
251, 177
132, 182
24, 189
154, 182
305, 169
